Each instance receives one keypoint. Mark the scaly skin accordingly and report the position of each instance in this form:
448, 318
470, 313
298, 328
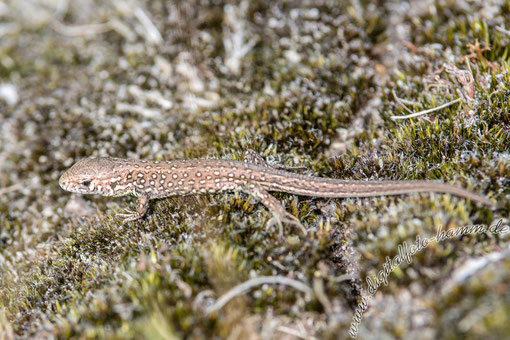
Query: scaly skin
150, 179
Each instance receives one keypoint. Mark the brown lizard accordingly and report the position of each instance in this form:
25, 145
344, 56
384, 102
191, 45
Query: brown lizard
157, 179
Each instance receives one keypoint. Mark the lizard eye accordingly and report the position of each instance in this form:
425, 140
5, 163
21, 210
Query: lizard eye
86, 183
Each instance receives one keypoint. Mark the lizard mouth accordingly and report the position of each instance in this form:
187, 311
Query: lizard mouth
63, 183
67, 184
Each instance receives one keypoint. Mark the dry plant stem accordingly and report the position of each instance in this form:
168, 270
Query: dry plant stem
295, 333
11, 188
247, 285
402, 102
502, 30
82, 30
421, 113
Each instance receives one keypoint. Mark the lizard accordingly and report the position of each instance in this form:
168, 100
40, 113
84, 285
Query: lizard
148, 180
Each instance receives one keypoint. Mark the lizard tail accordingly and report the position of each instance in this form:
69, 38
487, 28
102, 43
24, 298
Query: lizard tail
327, 187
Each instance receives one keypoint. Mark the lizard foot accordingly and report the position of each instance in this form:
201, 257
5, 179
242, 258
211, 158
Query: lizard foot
129, 216
288, 219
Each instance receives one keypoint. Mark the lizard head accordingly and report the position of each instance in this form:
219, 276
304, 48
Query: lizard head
90, 176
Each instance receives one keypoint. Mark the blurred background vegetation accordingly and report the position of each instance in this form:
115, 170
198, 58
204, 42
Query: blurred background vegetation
304, 83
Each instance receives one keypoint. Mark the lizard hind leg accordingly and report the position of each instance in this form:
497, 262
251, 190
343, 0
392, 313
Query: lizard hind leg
251, 156
280, 215
278, 219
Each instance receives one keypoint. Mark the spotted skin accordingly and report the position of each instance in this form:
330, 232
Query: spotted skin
151, 179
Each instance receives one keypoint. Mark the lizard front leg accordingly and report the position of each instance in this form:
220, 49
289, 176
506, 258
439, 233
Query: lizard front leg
143, 205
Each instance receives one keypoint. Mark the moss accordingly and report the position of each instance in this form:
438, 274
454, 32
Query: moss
317, 89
